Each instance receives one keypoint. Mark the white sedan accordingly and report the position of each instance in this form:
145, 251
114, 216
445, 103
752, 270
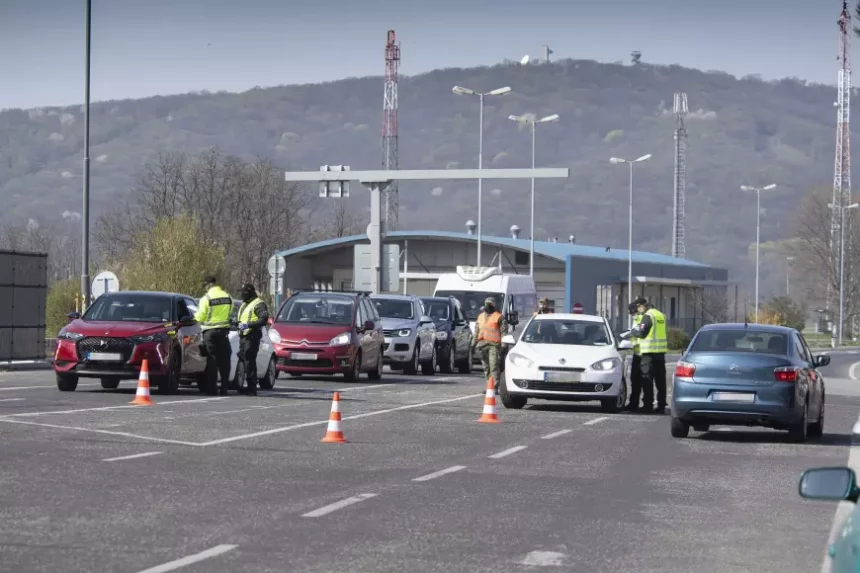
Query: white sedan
571, 357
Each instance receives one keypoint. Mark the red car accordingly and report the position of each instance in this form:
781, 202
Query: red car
328, 333
121, 329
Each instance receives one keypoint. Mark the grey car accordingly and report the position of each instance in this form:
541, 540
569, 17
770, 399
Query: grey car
410, 335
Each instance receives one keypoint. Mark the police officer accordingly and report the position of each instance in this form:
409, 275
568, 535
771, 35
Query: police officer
653, 346
213, 314
543, 307
489, 328
253, 316
636, 363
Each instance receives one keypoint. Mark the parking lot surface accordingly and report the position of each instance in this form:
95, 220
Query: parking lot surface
241, 484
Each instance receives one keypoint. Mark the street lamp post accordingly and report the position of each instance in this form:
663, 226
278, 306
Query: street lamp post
85, 213
617, 160
466, 91
532, 122
842, 263
758, 191
787, 273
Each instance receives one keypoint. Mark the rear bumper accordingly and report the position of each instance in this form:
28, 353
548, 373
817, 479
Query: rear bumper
774, 405
66, 361
329, 360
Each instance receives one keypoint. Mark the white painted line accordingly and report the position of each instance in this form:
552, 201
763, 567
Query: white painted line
132, 457
322, 422
251, 409
109, 433
104, 408
507, 452
544, 559
440, 473
11, 399
54, 386
852, 372
595, 421
196, 558
555, 434
339, 505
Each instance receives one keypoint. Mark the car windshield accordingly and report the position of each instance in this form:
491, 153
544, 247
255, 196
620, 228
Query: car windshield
567, 332
472, 302
326, 309
438, 310
394, 308
118, 307
740, 340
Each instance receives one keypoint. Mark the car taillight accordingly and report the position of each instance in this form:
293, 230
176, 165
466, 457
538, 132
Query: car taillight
785, 374
685, 369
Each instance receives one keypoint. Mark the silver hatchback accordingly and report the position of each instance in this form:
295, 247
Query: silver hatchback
410, 335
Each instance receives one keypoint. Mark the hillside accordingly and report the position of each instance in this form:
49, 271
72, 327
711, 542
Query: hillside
740, 132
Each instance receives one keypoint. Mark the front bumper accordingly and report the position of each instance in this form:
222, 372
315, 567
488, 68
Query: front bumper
582, 384
775, 405
70, 357
398, 349
314, 360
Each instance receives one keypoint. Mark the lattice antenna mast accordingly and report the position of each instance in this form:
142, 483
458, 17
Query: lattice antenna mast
842, 167
389, 129
680, 110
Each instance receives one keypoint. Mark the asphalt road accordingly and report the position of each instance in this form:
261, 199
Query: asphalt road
240, 484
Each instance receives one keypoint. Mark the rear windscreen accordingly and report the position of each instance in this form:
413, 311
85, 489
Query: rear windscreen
740, 341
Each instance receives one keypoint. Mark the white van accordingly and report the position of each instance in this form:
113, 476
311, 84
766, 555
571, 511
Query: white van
472, 285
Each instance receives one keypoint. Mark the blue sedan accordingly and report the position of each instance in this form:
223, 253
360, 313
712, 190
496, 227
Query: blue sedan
749, 375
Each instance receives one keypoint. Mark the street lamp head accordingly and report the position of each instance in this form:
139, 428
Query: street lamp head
831, 206
617, 160
549, 118
853, 206
747, 188
517, 118
462, 91
643, 158
769, 187
500, 91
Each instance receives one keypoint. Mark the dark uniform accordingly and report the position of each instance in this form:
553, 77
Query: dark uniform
651, 332
635, 364
213, 314
253, 316
543, 307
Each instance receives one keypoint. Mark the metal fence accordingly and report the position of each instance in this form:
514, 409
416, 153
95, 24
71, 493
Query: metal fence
23, 293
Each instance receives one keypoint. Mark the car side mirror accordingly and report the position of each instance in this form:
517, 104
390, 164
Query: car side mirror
368, 325
829, 484
625, 345
426, 320
187, 321
513, 318
459, 322
821, 360
509, 340
73, 316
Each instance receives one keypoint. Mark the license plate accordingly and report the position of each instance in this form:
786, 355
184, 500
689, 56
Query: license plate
303, 356
562, 377
734, 397
104, 356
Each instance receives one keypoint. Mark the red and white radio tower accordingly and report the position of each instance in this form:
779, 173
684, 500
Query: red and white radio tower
389, 129
842, 169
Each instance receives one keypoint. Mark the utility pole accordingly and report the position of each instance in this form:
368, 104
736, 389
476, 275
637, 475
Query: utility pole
85, 214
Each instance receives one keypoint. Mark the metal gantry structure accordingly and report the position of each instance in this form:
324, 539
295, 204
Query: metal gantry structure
842, 165
680, 184
389, 129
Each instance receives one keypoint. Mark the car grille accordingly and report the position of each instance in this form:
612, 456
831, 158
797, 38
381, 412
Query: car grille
390, 333
122, 346
320, 363
561, 386
560, 369
300, 343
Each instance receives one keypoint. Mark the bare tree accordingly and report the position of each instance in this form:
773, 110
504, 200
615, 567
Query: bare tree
712, 301
339, 219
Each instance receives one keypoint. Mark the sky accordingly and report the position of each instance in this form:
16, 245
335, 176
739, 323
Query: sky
158, 47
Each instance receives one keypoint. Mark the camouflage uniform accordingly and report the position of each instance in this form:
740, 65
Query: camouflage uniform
490, 351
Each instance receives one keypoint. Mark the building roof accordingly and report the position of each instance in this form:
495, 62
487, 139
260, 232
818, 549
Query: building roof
557, 251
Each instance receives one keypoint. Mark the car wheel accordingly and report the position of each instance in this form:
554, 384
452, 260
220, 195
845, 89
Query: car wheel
429, 368
267, 382
376, 373
67, 382
816, 429
466, 365
679, 428
238, 382
508, 401
356, 369
447, 365
615, 405
411, 367
110, 383
169, 383
798, 431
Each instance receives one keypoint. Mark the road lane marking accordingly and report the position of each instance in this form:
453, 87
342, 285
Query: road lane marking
251, 409
440, 473
54, 386
555, 434
595, 421
322, 422
132, 457
11, 399
94, 431
544, 559
196, 558
852, 372
339, 505
507, 452
104, 408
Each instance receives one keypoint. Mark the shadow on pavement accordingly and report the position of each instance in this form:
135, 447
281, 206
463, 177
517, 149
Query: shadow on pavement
773, 437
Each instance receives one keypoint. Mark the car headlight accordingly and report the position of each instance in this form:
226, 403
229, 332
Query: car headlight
403, 333
69, 335
274, 336
606, 365
442, 335
159, 337
520, 361
340, 340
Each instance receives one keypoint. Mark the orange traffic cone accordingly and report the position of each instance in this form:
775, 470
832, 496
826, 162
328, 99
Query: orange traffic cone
334, 433
489, 414
142, 397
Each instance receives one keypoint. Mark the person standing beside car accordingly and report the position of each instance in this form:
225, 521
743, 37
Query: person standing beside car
213, 314
488, 339
253, 316
653, 345
635, 363
543, 307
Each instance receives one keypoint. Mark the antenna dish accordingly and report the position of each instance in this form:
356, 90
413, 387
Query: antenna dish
525, 60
